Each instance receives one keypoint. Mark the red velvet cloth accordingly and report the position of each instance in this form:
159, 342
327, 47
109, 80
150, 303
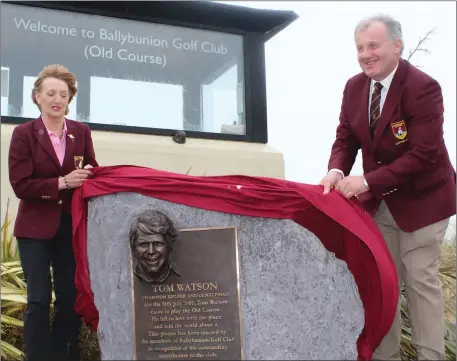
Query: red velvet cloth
342, 226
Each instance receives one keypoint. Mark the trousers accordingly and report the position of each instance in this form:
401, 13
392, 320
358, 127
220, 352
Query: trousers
42, 341
416, 256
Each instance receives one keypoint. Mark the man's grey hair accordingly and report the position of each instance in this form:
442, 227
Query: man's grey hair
393, 26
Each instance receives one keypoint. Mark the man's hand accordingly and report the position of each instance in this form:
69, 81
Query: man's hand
330, 181
351, 186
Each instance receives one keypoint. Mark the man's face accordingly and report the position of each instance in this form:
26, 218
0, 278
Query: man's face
152, 253
377, 53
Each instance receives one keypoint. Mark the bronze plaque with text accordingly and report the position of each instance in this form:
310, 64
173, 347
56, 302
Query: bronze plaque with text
191, 311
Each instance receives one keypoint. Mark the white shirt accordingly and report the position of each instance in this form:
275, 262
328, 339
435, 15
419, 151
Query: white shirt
385, 89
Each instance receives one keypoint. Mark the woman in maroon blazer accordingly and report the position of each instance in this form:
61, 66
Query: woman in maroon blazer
48, 158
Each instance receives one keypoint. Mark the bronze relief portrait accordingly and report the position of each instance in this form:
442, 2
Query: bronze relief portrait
152, 240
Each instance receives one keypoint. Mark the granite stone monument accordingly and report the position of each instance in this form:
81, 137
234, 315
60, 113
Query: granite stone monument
177, 282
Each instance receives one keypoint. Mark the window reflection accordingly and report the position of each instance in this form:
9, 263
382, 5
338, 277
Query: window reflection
4, 90
135, 103
220, 101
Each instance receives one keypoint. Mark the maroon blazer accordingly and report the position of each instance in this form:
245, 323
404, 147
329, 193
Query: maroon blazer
409, 169
34, 171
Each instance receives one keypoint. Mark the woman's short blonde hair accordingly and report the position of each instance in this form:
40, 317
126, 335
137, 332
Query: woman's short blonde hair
58, 72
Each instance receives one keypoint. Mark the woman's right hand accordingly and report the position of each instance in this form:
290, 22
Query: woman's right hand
76, 178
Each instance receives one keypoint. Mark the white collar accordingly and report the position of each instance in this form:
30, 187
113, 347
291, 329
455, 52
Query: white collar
386, 81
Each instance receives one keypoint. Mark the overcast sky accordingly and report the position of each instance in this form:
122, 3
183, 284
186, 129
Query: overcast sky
309, 63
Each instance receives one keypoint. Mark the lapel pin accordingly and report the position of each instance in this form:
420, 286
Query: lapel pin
71, 136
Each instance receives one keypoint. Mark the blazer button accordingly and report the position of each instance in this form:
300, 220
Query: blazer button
378, 162
59, 201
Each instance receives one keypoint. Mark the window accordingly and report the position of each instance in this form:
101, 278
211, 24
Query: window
220, 104
5, 79
156, 105
129, 73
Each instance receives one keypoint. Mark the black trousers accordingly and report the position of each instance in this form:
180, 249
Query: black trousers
60, 341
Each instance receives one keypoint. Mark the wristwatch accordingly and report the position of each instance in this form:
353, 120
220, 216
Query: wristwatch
365, 183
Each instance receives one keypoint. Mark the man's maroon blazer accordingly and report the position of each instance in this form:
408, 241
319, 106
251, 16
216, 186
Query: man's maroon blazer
34, 171
406, 164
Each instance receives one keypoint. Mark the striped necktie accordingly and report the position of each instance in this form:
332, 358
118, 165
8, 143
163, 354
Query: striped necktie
375, 107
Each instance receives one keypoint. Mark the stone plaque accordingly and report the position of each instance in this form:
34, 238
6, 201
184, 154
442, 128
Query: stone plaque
185, 292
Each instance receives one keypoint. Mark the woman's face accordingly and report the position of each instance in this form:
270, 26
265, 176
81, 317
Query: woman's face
53, 97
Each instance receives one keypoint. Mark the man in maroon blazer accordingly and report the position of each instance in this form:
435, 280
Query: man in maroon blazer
393, 112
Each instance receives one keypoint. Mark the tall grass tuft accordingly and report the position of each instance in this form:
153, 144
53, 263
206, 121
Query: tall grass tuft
13, 295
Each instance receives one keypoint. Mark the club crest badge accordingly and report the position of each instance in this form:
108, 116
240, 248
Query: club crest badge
399, 129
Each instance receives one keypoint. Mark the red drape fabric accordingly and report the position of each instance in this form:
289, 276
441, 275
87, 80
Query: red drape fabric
342, 226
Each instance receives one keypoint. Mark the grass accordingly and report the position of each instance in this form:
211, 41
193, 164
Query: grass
14, 300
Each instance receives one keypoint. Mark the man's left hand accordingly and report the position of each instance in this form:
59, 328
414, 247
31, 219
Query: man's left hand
351, 186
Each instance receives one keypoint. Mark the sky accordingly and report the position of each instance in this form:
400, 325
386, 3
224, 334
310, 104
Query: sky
308, 64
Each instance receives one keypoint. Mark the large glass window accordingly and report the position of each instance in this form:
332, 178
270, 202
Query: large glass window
129, 72
5, 80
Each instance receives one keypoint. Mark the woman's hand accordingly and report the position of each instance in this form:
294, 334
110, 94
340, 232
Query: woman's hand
76, 178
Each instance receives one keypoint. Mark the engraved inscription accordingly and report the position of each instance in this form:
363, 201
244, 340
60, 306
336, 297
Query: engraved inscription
189, 320
193, 315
